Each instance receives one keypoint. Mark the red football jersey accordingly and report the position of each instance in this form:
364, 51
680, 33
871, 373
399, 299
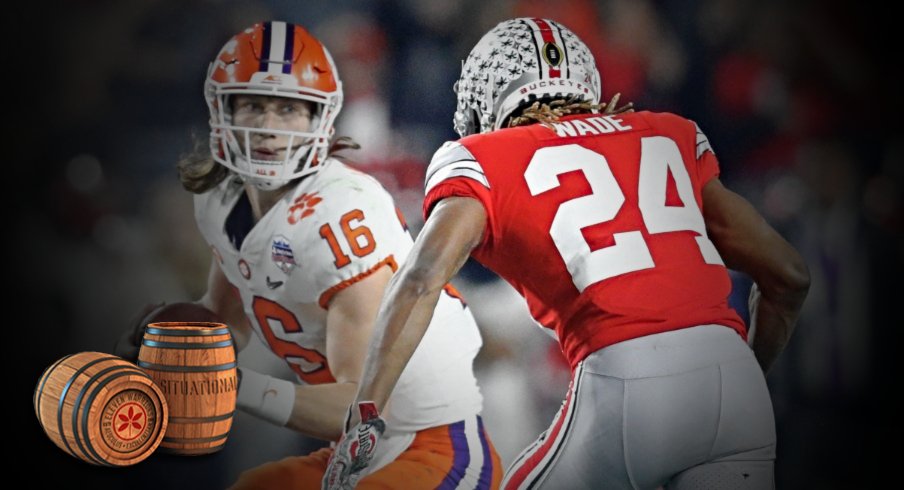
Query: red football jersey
597, 222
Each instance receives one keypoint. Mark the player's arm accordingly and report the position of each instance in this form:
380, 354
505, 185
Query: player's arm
221, 298
749, 244
319, 410
454, 228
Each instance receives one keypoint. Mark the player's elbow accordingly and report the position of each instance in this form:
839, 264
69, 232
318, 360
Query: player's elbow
793, 278
419, 280
801, 278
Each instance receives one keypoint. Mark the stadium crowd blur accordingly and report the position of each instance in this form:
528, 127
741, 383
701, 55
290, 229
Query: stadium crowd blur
791, 96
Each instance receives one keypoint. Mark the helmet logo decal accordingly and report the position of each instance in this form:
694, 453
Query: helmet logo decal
552, 54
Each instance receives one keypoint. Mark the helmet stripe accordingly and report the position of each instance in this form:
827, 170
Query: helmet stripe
547, 37
265, 47
277, 55
289, 50
564, 50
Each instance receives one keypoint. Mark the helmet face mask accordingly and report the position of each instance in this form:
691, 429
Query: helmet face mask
280, 60
519, 61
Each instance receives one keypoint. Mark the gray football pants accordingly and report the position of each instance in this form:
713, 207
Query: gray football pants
687, 409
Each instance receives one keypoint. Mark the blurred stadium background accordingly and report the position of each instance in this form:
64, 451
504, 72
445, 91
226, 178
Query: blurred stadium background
795, 96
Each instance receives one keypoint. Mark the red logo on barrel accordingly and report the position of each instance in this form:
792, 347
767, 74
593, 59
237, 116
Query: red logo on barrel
129, 421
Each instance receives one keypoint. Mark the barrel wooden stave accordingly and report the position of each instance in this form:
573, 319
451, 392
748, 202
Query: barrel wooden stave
194, 364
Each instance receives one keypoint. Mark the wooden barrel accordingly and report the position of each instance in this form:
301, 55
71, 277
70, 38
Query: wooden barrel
194, 365
101, 409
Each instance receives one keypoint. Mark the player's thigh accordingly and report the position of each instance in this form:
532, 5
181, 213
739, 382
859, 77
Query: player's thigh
298, 472
718, 414
583, 448
415, 468
634, 433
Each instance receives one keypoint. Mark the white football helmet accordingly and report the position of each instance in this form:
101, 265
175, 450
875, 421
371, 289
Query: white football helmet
278, 59
517, 62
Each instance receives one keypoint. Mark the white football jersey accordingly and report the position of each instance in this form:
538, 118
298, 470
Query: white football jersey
335, 228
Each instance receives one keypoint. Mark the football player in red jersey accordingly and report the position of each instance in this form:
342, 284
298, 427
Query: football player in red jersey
303, 247
615, 228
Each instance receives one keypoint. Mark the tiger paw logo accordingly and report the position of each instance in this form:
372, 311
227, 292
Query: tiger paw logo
128, 421
303, 206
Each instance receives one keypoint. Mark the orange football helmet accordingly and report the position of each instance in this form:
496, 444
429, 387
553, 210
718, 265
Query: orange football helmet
276, 59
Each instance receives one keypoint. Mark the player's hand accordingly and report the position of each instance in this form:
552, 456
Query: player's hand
355, 450
129, 342
611, 107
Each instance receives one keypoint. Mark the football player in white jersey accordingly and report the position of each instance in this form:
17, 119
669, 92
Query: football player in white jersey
303, 248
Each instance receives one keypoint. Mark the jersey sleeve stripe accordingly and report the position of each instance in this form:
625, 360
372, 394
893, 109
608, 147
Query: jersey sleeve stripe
459, 169
433, 169
451, 152
702, 143
327, 295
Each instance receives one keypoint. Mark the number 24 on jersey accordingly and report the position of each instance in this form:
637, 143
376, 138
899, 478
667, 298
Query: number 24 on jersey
659, 156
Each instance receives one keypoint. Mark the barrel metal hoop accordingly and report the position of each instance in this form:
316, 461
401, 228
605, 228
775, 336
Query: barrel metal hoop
194, 440
39, 390
187, 333
63, 399
206, 450
187, 369
201, 420
186, 345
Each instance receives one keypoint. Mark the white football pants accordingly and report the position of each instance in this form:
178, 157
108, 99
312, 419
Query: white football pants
687, 409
